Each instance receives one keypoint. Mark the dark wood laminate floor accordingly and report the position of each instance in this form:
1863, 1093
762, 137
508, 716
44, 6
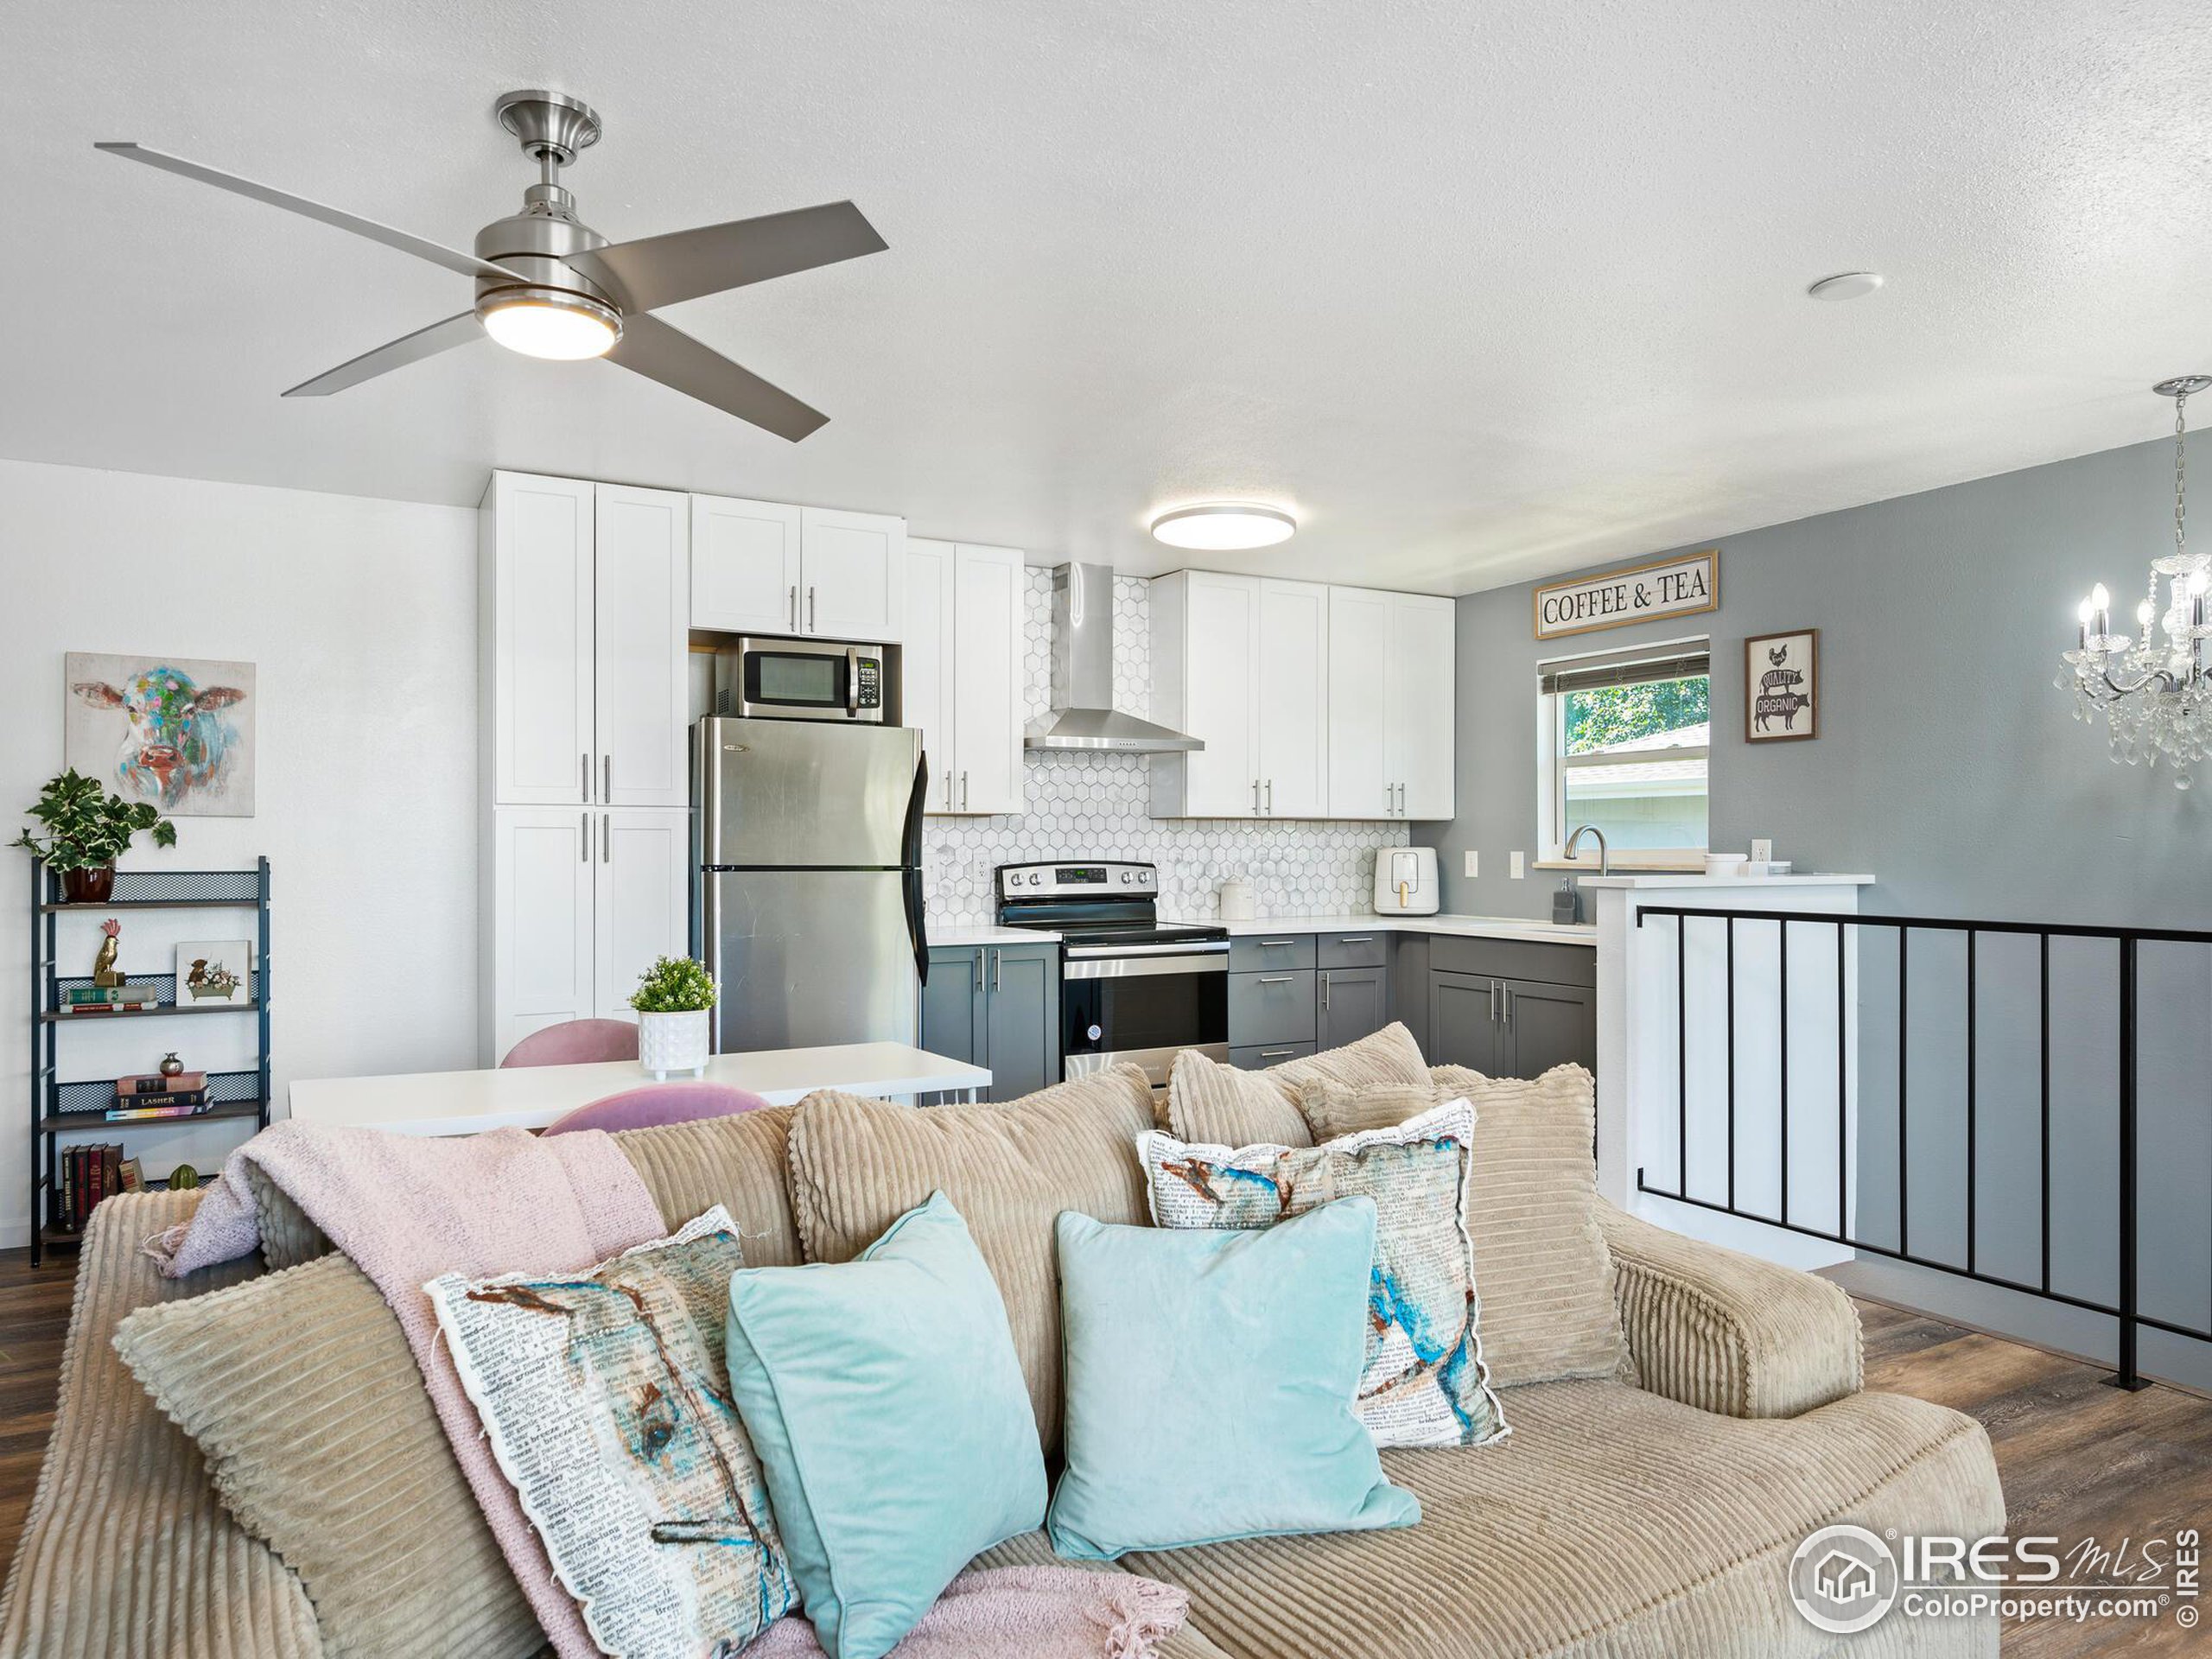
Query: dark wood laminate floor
2078, 1459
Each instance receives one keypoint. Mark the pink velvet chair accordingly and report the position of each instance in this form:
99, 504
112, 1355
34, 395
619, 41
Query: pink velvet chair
657, 1104
576, 1042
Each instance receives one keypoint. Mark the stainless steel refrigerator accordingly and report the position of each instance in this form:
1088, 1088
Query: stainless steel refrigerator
808, 906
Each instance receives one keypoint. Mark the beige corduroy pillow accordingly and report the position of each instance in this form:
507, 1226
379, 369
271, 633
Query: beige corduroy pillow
1220, 1105
1008, 1169
301, 1394
1333, 1109
1540, 1262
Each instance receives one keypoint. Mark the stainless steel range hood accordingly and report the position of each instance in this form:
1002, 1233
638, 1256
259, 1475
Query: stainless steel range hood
1084, 715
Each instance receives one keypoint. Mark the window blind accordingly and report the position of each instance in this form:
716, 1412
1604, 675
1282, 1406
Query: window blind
1594, 673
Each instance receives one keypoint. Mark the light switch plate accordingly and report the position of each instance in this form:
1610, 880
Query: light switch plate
1474, 863
1516, 864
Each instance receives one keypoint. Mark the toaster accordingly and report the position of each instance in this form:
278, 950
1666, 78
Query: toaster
1405, 881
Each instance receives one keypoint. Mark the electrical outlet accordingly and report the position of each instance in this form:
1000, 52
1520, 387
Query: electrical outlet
1474, 863
1516, 864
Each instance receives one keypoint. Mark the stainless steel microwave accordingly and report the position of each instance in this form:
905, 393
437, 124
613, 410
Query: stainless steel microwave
808, 679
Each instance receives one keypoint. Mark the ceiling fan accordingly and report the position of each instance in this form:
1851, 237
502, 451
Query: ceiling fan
548, 285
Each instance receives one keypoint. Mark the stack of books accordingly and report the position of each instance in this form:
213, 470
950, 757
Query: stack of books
84, 1175
126, 998
184, 1095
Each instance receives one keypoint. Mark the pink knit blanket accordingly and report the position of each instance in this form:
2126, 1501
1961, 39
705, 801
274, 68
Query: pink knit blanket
1021, 1612
408, 1209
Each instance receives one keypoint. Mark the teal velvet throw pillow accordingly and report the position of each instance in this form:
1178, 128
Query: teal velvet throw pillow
888, 1412
1210, 1381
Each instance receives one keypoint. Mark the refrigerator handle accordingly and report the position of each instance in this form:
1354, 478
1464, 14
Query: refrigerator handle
911, 859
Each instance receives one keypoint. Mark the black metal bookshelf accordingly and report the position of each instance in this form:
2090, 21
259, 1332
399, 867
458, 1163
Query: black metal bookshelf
59, 1108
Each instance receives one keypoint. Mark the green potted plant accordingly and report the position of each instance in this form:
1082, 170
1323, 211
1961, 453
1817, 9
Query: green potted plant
85, 830
673, 1000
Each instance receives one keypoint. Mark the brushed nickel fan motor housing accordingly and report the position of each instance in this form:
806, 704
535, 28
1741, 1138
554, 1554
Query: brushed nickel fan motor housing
552, 126
536, 243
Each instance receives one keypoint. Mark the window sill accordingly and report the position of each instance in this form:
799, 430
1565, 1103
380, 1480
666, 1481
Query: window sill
1623, 866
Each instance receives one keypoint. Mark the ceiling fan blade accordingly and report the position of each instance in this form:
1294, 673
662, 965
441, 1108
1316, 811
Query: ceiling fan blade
657, 270
649, 347
436, 252
393, 354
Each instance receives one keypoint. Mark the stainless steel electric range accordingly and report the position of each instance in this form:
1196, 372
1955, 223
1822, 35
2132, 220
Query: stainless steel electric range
1134, 989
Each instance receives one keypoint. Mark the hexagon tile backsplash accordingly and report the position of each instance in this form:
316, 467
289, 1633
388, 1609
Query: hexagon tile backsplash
1095, 806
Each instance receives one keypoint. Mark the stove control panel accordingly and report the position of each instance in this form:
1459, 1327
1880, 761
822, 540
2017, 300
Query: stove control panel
1077, 881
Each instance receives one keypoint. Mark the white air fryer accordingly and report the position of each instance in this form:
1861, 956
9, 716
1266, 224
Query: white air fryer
1405, 881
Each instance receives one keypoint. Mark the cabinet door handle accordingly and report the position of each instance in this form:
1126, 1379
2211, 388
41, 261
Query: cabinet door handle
1508, 1006
607, 780
1255, 797
1271, 798
998, 971
606, 839
963, 792
1324, 992
1276, 979
1357, 939
1276, 944
979, 971
948, 789
812, 623
1493, 1001
583, 840
794, 610
1271, 1054
583, 778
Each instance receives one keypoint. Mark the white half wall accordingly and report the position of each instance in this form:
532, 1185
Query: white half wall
360, 618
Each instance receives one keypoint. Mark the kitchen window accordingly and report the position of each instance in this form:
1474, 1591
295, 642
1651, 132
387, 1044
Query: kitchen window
1623, 743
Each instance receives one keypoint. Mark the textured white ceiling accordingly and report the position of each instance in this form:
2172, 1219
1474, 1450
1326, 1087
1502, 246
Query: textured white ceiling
1483, 290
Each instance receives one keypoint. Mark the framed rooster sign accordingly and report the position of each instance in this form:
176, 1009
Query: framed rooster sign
1781, 689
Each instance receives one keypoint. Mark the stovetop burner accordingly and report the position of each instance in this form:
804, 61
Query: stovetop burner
1093, 903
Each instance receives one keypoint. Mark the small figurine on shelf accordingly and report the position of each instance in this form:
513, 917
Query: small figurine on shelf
171, 1066
105, 973
182, 1177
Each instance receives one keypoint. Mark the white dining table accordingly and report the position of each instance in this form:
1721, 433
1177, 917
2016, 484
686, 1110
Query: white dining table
531, 1097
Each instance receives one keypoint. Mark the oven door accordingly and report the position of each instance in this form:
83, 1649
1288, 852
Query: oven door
791, 679
1142, 1007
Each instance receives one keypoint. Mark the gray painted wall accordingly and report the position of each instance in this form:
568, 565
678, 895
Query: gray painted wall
1948, 767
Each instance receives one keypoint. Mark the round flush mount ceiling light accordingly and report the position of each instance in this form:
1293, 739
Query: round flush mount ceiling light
1224, 526
1846, 285
549, 322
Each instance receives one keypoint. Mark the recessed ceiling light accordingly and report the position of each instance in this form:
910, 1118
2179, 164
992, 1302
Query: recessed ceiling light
1224, 526
1846, 285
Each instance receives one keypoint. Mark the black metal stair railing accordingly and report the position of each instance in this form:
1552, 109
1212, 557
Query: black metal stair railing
2123, 1305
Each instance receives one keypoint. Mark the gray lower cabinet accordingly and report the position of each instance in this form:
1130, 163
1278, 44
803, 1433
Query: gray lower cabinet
1350, 1003
1510, 1027
996, 1006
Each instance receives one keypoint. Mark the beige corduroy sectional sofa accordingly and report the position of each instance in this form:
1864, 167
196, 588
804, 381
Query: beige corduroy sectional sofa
1650, 1512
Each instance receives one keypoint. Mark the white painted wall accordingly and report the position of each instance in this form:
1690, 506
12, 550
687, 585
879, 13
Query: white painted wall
360, 617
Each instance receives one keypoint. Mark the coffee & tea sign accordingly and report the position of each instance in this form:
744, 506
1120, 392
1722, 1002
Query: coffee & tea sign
1677, 586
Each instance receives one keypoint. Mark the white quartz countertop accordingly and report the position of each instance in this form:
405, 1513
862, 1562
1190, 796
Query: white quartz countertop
984, 933
1475, 927
1653, 879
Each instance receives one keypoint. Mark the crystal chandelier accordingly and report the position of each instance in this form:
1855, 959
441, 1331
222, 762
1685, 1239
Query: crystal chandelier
2155, 694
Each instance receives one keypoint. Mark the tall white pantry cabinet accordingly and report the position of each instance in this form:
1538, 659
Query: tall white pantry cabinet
583, 618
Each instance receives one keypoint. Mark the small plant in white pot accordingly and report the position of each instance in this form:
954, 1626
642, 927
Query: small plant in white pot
673, 999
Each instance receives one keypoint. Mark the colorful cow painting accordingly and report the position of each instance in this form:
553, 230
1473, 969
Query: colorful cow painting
175, 733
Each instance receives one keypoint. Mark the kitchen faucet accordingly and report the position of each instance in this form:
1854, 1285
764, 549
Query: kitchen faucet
1605, 854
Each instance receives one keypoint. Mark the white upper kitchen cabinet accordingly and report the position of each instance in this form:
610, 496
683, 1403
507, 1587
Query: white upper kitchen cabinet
926, 669
642, 611
1293, 699
963, 672
583, 619
536, 965
748, 572
853, 583
535, 606
990, 698
1205, 657
1419, 685
1360, 782
641, 902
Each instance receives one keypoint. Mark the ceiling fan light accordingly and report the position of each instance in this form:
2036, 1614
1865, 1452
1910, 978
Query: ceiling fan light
1223, 527
546, 322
